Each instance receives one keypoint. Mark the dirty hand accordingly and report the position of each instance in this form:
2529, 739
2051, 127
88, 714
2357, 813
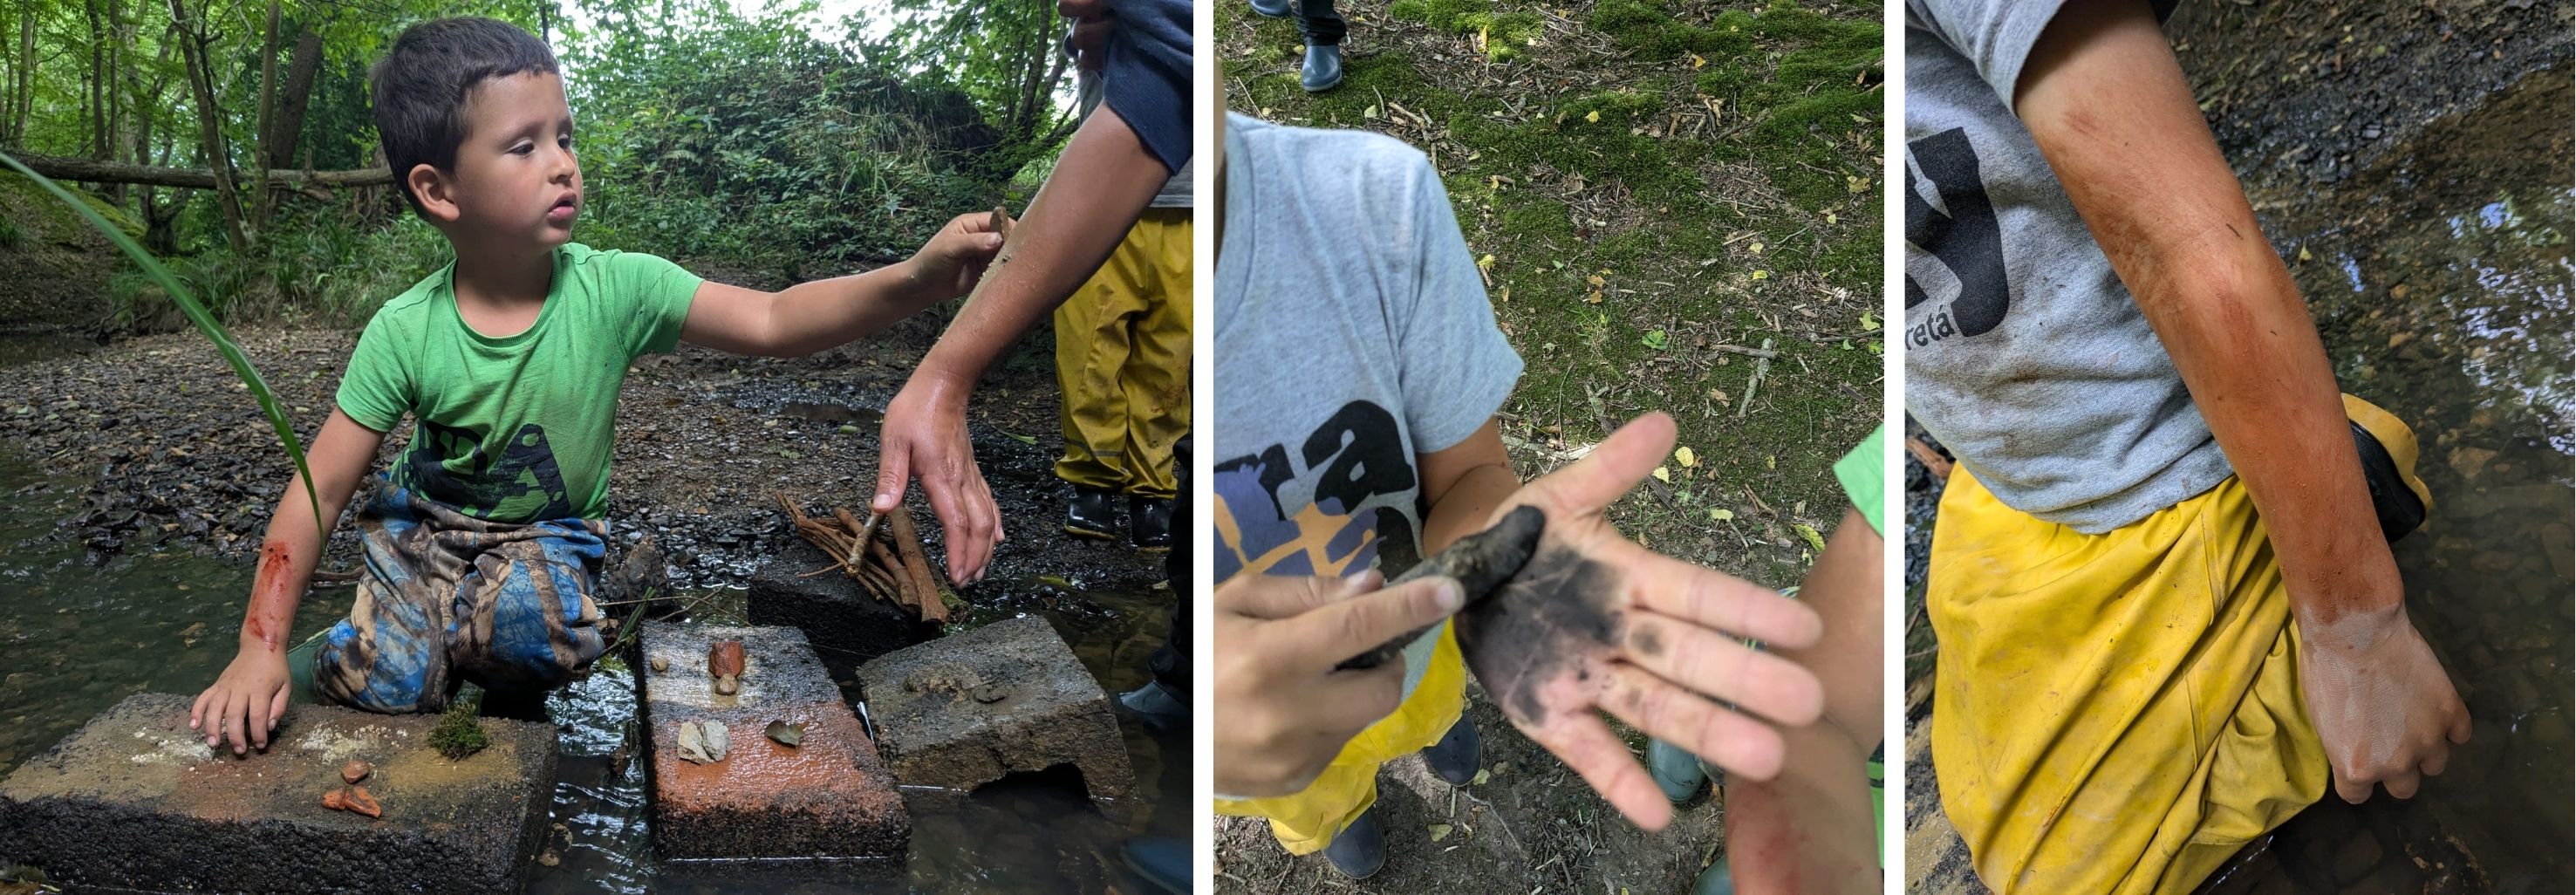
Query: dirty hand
1282, 712
245, 703
925, 437
1596, 621
2381, 702
955, 257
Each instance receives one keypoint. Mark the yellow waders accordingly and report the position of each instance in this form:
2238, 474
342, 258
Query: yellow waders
1122, 357
2119, 713
1306, 822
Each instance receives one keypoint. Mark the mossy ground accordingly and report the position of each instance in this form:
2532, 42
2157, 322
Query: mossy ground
1649, 183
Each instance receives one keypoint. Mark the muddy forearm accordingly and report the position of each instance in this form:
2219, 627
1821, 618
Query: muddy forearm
2108, 105
287, 558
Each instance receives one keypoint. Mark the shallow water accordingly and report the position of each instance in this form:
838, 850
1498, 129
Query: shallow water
80, 639
2440, 281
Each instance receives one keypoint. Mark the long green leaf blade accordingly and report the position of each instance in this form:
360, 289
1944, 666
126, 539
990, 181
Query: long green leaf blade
205, 321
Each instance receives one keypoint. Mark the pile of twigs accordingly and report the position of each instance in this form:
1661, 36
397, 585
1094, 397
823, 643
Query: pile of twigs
886, 559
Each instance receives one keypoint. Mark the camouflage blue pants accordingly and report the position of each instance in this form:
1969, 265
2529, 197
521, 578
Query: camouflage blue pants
448, 598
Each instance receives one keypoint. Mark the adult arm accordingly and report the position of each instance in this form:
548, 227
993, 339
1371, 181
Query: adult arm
1102, 182
2107, 104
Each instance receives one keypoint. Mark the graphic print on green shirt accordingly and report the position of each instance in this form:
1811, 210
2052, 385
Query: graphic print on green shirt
516, 428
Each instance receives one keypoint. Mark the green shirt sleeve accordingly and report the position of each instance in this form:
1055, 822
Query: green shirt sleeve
658, 290
376, 390
1863, 473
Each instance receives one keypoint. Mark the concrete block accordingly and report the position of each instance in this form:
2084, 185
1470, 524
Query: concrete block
829, 797
966, 709
843, 621
135, 800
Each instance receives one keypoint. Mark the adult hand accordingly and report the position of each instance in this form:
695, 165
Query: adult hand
955, 257
245, 703
1282, 711
1595, 621
2382, 705
1090, 31
924, 437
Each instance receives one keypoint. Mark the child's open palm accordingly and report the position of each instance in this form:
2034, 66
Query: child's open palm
1595, 621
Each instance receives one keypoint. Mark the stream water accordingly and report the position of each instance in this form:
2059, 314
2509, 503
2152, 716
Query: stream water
2440, 280
78, 639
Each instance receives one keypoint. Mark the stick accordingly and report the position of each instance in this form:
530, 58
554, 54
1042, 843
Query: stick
897, 575
1931, 459
907, 539
1760, 366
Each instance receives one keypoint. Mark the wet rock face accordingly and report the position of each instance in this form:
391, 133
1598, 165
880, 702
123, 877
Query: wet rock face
723, 789
968, 709
134, 800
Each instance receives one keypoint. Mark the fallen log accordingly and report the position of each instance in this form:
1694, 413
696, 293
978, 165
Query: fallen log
98, 171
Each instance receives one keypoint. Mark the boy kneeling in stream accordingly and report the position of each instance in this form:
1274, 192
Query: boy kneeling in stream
483, 548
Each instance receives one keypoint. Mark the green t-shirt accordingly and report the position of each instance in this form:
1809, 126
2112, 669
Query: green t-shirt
516, 429
1863, 473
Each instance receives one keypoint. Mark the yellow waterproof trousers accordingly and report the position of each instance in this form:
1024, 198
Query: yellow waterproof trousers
2119, 713
1122, 357
1306, 822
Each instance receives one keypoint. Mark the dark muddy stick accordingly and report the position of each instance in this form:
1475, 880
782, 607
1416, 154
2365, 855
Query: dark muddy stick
907, 543
1481, 562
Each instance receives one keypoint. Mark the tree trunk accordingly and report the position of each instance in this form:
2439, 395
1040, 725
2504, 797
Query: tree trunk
95, 171
95, 96
26, 78
287, 129
259, 198
192, 47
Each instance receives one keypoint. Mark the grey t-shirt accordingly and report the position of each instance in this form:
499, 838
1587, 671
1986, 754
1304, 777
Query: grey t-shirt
2024, 353
1087, 97
1356, 334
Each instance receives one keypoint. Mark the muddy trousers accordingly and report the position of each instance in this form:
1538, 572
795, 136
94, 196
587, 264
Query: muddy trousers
2119, 713
448, 598
1122, 358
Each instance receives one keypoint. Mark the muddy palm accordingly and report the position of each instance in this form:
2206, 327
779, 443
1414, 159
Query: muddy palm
1596, 622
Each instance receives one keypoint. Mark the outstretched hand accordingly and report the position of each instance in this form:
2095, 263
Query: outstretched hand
1595, 621
924, 437
954, 259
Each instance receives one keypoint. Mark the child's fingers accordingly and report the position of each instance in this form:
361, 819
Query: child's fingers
1739, 744
236, 722
1350, 701
256, 731
1715, 599
197, 713
1337, 631
1587, 746
277, 707
1716, 666
1288, 596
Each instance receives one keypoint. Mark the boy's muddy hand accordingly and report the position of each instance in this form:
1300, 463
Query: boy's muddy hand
924, 437
2383, 707
244, 705
1283, 711
1595, 621
955, 257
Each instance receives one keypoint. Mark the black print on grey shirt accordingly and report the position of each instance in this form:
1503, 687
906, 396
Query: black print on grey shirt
1965, 239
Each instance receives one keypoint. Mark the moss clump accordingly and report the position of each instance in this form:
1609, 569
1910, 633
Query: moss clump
1505, 33
459, 733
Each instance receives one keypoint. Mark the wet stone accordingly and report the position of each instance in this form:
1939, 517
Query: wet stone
827, 797
135, 800
968, 709
842, 620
